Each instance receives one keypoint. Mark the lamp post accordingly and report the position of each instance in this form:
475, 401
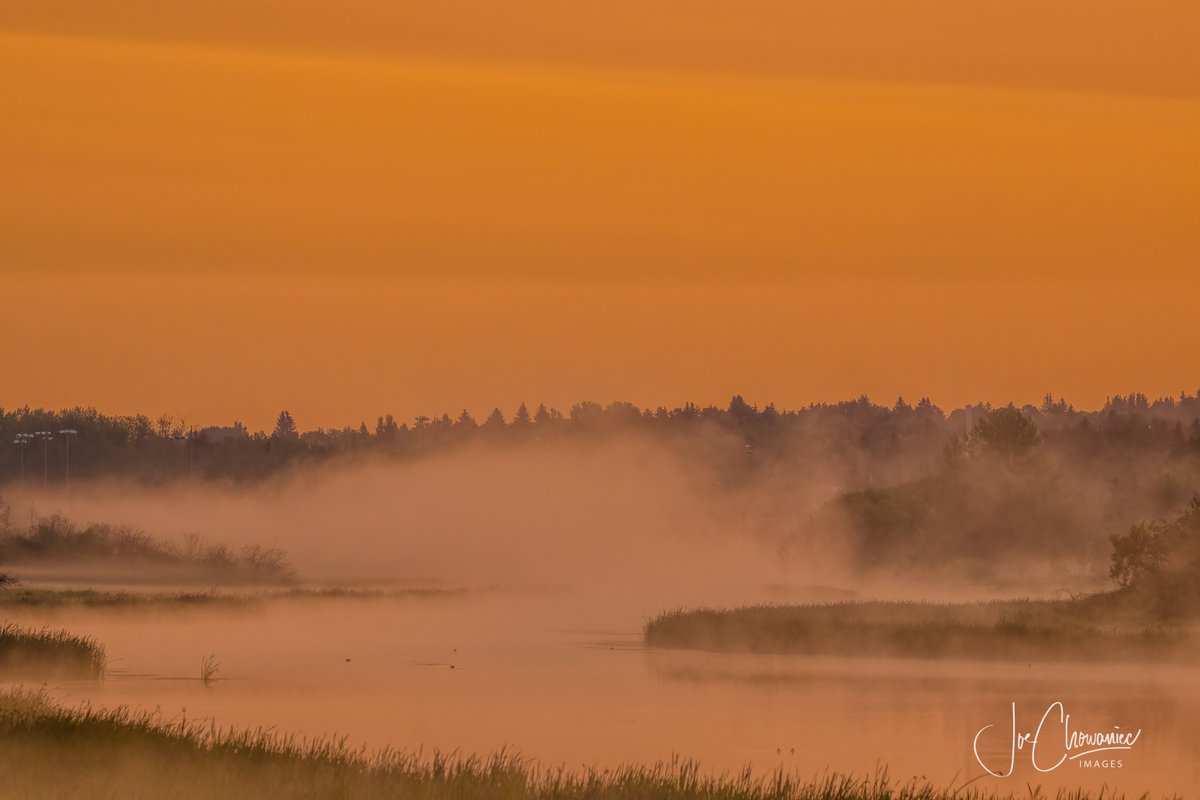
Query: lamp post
45, 436
21, 440
67, 433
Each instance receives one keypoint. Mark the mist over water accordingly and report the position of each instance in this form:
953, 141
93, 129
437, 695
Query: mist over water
671, 525
627, 516
564, 552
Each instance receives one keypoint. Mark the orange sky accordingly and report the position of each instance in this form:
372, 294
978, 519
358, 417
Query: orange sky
220, 209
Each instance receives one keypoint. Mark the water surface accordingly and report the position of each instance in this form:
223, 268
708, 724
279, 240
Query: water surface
563, 678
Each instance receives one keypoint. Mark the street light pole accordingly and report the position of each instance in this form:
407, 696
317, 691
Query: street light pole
67, 433
22, 440
45, 436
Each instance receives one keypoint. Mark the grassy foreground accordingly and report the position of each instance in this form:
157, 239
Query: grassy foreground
1110, 626
46, 653
47, 750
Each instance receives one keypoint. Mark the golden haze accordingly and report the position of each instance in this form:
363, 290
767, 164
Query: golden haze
413, 211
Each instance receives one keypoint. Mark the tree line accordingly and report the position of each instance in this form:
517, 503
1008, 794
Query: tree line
878, 443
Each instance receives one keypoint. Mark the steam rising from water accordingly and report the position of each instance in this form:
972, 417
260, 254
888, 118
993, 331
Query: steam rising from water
629, 519
607, 535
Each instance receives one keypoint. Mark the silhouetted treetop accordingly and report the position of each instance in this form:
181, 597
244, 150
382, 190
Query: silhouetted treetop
285, 426
1006, 433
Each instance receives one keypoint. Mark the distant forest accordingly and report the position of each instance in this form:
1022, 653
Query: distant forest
863, 443
977, 493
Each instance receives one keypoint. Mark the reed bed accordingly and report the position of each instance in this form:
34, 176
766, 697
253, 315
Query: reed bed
45, 653
48, 750
1103, 627
34, 598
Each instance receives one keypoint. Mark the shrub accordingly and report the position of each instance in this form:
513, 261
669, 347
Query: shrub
1162, 558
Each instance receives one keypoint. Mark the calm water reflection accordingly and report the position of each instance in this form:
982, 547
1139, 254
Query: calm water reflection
566, 681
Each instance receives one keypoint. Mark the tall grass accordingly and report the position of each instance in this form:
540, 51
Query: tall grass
47, 750
209, 667
44, 653
1097, 627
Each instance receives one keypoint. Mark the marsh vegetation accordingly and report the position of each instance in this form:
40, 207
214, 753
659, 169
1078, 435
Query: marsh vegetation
54, 545
1103, 627
21, 597
1154, 614
43, 653
123, 753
